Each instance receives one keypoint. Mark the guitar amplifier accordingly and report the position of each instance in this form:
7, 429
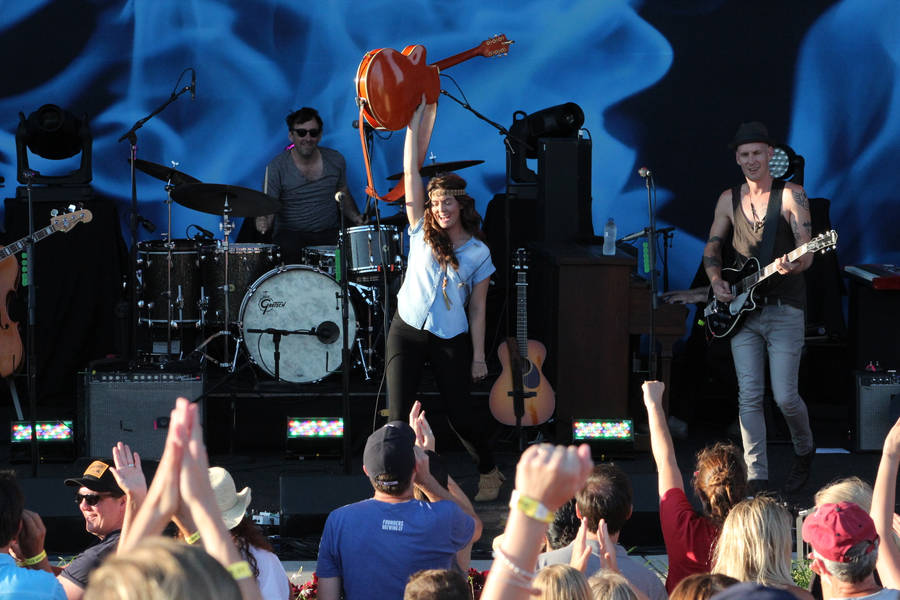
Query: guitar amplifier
132, 407
877, 408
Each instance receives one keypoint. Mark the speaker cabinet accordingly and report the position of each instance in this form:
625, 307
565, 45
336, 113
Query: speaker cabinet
564, 190
877, 408
132, 407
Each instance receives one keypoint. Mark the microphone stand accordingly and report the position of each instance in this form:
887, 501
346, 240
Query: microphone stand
651, 253
30, 336
345, 345
131, 136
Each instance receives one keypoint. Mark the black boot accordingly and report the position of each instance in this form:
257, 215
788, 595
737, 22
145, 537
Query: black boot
757, 487
800, 468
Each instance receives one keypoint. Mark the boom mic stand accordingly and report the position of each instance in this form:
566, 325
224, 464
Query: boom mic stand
345, 344
131, 136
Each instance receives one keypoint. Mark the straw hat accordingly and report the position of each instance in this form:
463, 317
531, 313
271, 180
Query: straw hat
231, 504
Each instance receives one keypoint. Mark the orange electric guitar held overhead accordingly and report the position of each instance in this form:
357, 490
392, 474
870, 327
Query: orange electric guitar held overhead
521, 360
390, 85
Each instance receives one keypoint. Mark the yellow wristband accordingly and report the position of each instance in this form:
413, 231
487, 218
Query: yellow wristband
240, 570
193, 538
530, 507
30, 562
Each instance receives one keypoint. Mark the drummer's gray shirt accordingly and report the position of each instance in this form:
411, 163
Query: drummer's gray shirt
306, 205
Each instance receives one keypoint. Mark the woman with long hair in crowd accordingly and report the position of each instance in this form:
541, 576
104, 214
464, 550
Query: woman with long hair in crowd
755, 545
720, 482
440, 314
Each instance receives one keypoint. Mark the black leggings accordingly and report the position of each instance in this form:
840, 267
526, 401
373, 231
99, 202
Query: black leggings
407, 350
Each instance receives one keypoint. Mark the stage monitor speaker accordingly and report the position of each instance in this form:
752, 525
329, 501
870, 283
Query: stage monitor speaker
877, 408
307, 499
564, 190
132, 407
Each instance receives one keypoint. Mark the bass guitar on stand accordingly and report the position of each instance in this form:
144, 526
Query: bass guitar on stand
722, 318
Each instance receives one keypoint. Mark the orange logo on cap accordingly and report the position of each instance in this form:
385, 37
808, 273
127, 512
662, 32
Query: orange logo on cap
96, 469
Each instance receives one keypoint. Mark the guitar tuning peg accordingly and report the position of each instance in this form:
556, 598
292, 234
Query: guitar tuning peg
71, 208
54, 212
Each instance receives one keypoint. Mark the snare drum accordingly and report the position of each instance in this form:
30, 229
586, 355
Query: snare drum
296, 298
319, 257
153, 283
246, 262
370, 252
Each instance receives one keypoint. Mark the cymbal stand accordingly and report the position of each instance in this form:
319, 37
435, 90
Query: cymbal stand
169, 247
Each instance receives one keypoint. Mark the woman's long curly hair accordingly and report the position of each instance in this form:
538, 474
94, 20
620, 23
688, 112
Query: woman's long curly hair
720, 481
246, 534
436, 237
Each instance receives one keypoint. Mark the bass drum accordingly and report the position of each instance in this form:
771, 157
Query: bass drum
296, 298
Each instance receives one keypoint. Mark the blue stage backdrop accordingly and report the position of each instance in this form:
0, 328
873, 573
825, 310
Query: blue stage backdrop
663, 83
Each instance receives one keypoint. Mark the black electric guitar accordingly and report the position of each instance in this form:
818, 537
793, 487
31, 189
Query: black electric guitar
722, 318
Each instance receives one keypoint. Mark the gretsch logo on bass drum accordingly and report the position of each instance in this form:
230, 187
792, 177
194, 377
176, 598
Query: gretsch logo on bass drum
266, 302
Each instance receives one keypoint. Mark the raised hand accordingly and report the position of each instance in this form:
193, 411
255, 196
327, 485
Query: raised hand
581, 550
553, 474
30, 540
653, 393
128, 471
607, 548
424, 436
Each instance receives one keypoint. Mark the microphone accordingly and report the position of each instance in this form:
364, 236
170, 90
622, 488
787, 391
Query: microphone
146, 224
206, 233
193, 84
355, 125
645, 172
327, 332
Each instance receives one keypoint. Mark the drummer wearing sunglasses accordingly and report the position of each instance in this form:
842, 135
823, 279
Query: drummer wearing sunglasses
306, 178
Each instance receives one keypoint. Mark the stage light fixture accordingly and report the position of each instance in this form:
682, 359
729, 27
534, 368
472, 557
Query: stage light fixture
603, 430
47, 431
53, 133
314, 436
786, 164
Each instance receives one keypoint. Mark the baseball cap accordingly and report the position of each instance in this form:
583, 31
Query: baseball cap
97, 477
835, 528
389, 450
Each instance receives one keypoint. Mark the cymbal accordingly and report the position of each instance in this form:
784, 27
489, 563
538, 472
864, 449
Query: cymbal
434, 168
163, 172
210, 198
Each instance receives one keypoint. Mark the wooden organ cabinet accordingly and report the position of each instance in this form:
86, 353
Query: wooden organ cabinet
584, 307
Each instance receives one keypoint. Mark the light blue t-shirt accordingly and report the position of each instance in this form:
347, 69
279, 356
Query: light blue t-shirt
27, 584
421, 302
375, 546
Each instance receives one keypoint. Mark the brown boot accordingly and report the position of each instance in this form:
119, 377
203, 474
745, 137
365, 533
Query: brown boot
489, 485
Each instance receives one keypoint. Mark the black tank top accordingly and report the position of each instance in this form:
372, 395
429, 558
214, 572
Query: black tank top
791, 289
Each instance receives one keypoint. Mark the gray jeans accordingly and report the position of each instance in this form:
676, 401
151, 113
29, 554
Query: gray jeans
778, 330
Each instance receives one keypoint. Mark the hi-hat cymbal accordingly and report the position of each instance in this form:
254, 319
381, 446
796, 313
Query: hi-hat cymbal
434, 168
211, 198
162, 172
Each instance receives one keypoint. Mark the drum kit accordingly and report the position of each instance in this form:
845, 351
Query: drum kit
288, 318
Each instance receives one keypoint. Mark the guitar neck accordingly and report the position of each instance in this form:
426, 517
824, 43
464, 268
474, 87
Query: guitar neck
20, 245
450, 61
755, 278
522, 314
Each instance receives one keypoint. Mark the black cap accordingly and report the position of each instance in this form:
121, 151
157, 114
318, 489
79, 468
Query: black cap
98, 478
747, 133
389, 450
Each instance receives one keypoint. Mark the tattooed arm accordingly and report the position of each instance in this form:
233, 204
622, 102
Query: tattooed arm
712, 253
796, 210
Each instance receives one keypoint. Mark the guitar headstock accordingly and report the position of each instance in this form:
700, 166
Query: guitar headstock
823, 241
67, 221
494, 46
520, 259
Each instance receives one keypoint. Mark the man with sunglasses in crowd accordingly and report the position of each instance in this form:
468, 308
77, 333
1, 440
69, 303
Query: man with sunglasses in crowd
306, 179
102, 504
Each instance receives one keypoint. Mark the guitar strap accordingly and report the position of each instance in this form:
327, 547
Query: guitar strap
398, 190
773, 215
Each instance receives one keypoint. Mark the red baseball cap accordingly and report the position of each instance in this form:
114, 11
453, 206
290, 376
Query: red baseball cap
835, 528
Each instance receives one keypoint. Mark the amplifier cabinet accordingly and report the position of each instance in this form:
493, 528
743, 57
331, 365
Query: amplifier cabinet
132, 407
877, 408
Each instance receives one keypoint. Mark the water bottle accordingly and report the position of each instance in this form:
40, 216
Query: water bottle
609, 238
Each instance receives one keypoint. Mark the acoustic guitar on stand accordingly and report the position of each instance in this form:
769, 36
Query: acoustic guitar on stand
521, 378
